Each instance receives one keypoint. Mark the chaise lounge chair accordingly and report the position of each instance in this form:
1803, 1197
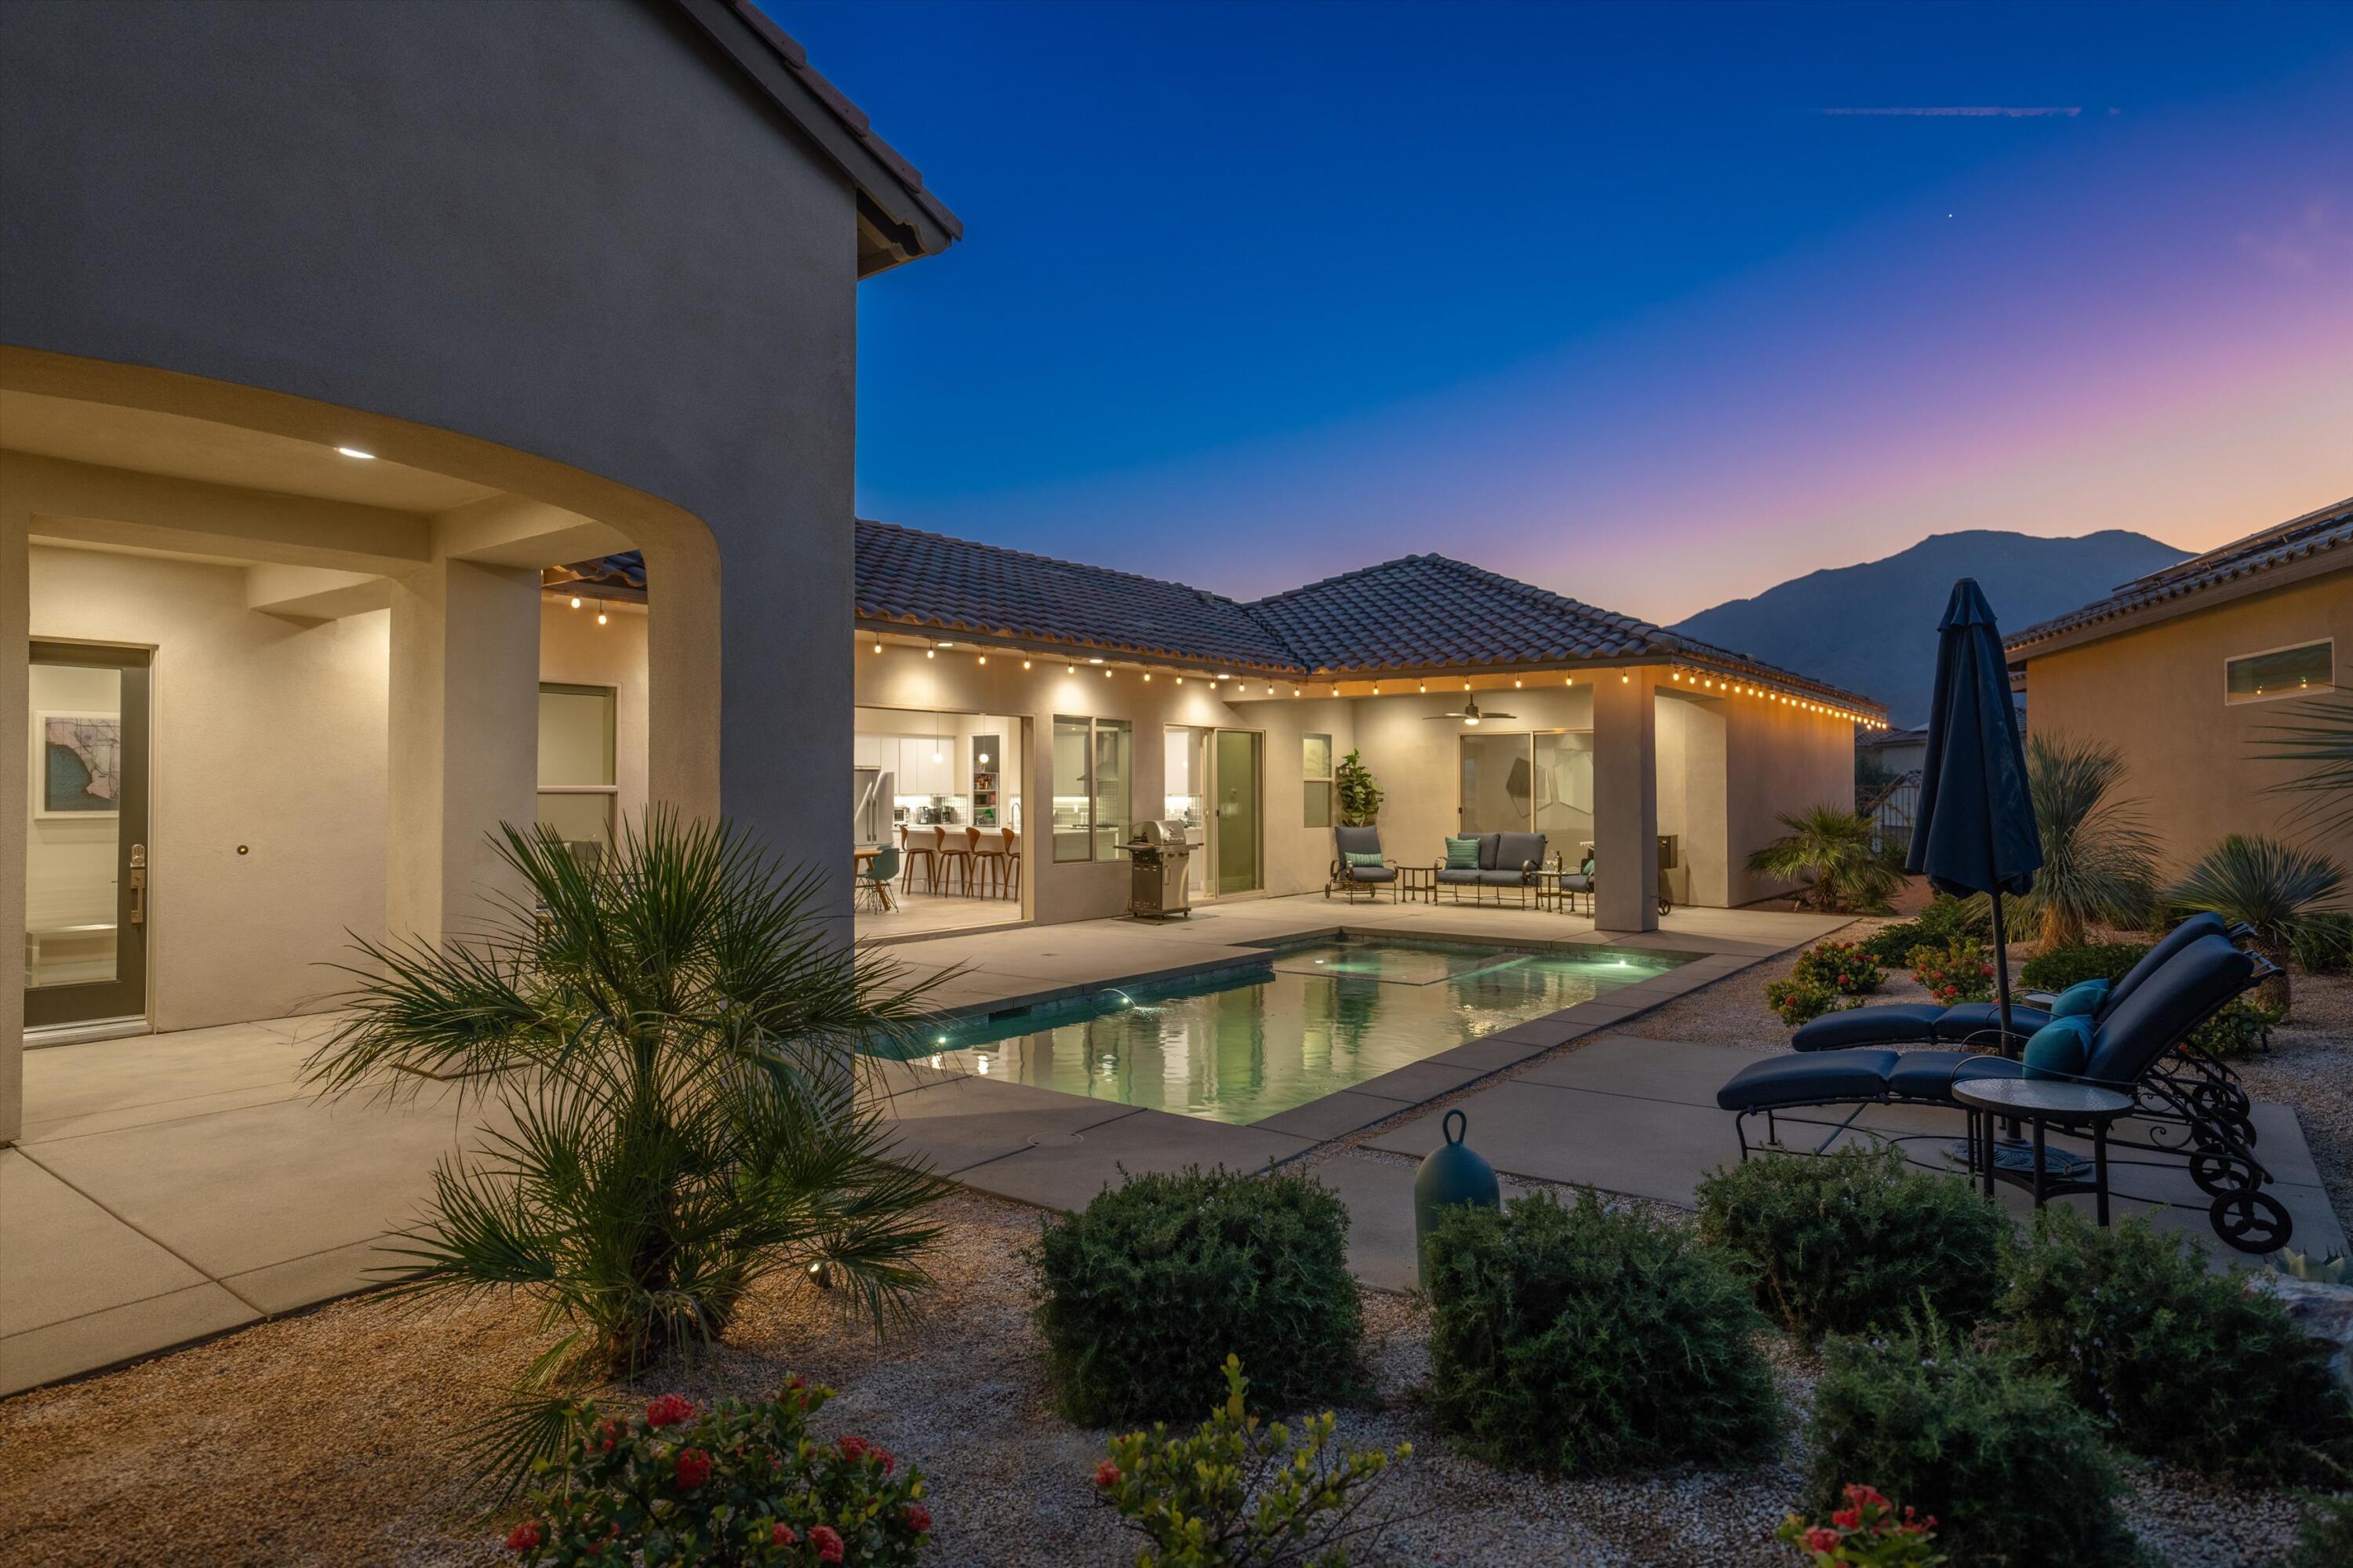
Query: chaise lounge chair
1352, 874
2139, 1048
1980, 1023
1506, 861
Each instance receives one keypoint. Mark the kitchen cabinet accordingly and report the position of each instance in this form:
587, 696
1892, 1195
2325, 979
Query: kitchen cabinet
866, 751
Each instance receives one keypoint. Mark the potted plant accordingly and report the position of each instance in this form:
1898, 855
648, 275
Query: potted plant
1360, 798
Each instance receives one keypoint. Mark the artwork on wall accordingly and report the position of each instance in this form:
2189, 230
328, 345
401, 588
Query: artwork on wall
78, 764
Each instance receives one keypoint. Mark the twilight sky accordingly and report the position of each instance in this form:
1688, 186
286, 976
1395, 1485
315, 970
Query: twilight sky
1653, 306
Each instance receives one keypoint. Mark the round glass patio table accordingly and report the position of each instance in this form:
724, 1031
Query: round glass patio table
2040, 1102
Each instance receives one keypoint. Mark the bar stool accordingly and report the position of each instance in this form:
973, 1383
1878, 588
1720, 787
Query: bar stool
991, 862
1011, 868
922, 846
957, 859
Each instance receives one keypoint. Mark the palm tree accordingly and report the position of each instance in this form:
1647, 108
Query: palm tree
2320, 741
2099, 863
2264, 883
1831, 853
674, 1038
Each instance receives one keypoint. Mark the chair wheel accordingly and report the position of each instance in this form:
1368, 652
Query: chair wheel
2218, 1175
2251, 1222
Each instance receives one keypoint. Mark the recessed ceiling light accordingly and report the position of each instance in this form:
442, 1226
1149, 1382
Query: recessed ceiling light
355, 452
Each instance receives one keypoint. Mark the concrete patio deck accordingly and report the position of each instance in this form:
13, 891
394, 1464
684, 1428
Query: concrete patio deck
172, 1187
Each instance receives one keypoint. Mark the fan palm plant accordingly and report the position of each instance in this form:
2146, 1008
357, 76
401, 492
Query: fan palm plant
2320, 740
2099, 862
1832, 855
2267, 884
674, 1040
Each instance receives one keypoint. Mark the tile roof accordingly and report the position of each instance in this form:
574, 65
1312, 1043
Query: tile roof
2328, 532
1426, 612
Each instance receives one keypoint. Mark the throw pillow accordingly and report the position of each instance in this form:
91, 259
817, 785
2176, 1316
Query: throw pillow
2060, 1049
1369, 859
2083, 999
1461, 855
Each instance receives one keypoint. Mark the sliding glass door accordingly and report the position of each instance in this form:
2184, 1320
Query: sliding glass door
1540, 782
86, 907
1237, 849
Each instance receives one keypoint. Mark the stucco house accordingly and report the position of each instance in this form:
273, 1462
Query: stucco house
2186, 672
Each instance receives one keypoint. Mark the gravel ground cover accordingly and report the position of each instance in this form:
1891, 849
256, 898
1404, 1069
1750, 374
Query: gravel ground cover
319, 1439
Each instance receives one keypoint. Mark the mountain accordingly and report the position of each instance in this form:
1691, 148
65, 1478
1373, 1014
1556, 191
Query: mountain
1872, 628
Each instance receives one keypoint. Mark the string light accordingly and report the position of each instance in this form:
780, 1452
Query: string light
600, 618
1515, 683
576, 601
930, 653
1025, 663
878, 648
984, 658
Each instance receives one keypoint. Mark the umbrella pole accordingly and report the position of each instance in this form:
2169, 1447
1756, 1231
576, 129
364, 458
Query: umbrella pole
2001, 975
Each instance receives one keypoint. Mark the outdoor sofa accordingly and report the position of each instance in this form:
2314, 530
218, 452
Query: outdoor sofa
2188, 1107
1506, 862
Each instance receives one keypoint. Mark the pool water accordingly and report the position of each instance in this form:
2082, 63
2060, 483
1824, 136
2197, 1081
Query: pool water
1242, 1044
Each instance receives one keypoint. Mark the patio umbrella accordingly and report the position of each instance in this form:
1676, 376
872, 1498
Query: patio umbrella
1975, 832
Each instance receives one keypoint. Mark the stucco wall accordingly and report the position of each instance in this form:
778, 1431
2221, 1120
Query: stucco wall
2155, 695
567, 227
1777, 759
268, 735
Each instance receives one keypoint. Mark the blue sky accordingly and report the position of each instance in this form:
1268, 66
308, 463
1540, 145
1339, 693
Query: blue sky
1611, 298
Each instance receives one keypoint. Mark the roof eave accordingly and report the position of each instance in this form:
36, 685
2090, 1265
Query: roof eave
2036, 642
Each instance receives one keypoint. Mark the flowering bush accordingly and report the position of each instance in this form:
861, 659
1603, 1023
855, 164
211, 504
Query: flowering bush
2239, 1028
736, 1483
1866, 1533
1802, 1002
1237, 1495
1849, 968
1959, 972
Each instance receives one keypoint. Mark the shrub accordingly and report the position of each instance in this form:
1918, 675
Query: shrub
1834, 857
1944, 921
1854, 1240
2238, 1029
2323, 1532
2059, 968
1959, 973
2180, 1362
2099, 858
1576, 1340
1143, 1293
2010, 1469
1802, 1002
2322, 944
1866, 1533
1847, 968
673, 1039
737, 1483
1236, 1495
2272, 887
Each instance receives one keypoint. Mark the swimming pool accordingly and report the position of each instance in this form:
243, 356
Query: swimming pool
1242, 1044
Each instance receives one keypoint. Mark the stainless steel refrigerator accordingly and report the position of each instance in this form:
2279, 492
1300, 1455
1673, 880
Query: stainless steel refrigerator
872, 824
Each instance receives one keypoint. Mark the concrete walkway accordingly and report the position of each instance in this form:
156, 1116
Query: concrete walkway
171, 1187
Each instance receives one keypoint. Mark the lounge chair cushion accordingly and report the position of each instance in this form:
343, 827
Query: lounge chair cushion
1966, 1021
2207, 924
1500, 878
2164, 1008
1896, 1023
1372, 874
1487, 842
2083, 999
1457, 876
1576, 882
1929, 1075
1807, 1080
1461, 855
1362, 838
2059, 1049
1517, 853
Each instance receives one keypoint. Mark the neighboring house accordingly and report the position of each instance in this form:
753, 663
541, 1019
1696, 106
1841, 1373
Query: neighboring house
2187, 672
1122, 697
324, 330
1895, 751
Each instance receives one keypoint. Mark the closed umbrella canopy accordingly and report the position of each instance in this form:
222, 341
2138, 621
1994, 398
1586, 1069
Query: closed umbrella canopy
1975, 832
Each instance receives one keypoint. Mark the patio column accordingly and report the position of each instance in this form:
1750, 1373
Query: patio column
1626, 801
464, 740
15, 766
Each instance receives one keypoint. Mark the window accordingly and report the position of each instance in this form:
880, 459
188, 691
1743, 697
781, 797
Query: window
1315, 770
1093, 760
1544, 781
2281, 672
576, 783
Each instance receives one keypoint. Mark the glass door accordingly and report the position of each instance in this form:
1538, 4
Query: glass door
1236, 845
86, 908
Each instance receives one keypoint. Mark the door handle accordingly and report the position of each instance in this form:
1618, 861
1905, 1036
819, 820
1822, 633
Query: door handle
139, 885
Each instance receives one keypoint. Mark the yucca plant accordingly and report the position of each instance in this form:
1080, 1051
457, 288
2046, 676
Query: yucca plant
2099, 860
1828, 852
2318, 739
2267, 884
673, 1038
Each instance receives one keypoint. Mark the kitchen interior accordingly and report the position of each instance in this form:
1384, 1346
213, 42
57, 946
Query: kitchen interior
944, 789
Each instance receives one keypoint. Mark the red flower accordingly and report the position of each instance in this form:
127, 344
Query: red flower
781, 1536
524, 1536
828, 1543
888, 1458
1821, 1539
1848, 1519
669, 1410
918, 1518
693, 1468
1106, 1474
854, 1448
796, 1381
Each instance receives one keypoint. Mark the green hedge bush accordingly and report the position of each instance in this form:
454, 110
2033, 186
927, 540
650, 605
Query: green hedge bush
2179, 1363
2322, 944
1143, 1294
2014, 1471
2062, 966
1854, 1240
1944, 922
1574, 1340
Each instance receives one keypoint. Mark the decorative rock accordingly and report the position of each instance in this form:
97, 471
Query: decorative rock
2323, 1311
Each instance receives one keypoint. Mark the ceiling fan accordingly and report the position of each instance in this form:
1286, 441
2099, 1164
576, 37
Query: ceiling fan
1468, 713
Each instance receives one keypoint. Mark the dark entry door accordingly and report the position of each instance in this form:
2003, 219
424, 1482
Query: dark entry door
86, 852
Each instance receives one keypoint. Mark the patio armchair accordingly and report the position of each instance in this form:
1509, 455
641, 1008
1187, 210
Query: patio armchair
1503, 861
2140, 1046
1358, 867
